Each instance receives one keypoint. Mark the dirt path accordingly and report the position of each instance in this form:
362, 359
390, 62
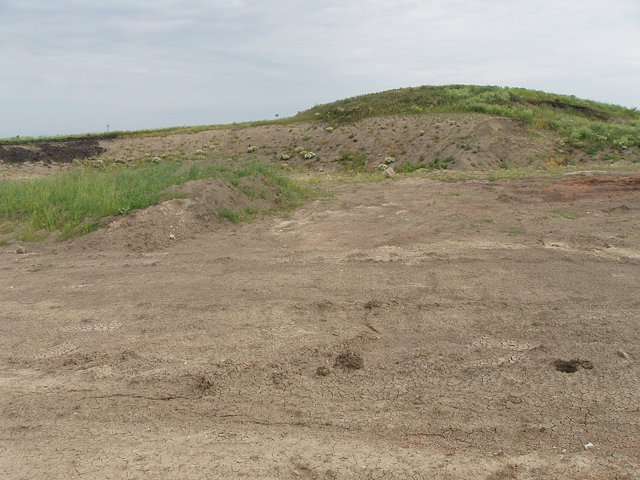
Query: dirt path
400, 329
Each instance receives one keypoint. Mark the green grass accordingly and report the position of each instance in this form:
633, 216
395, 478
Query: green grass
562, 213
515, 231
352, 161
409, 167
438, 164
74, 201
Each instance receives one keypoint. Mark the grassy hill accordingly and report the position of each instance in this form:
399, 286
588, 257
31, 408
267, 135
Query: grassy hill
583, 123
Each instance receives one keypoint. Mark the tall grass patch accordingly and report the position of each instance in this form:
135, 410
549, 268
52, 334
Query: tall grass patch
74, 201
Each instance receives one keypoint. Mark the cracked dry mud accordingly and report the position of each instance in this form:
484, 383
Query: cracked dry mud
399, 329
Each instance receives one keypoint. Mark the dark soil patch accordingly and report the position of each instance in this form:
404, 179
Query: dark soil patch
572, 366
51, 152
565, 106
349, 361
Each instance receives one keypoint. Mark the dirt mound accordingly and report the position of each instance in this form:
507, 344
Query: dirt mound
64, 151
174, 220
472, 140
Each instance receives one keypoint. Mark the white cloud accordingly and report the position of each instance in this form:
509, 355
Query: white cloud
157, 63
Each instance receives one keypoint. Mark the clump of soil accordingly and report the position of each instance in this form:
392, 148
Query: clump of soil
571, 366
349, 361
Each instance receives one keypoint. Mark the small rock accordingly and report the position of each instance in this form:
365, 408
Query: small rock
587, 446
623, 354
389, 172
21, 250
323, 371
172, 236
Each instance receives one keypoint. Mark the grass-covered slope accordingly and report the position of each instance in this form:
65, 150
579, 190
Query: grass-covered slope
584, 123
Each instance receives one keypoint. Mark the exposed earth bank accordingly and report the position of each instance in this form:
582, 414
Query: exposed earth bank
399, 329
465, 142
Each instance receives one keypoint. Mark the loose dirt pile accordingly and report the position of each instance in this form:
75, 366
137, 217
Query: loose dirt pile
474, 141
399, 329
174, 220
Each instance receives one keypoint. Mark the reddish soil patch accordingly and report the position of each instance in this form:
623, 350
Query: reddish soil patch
591, 187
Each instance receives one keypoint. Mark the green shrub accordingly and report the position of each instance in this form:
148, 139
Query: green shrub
409, 167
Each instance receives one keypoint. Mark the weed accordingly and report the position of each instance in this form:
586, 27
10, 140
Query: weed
352, 161
438, 164
409, 167
124, 209
515, 231
591, 150
562, 213
505, 165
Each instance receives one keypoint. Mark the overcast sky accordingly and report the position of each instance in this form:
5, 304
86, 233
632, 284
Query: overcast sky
76, 66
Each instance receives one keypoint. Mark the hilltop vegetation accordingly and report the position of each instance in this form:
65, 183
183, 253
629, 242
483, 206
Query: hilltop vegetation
583, 123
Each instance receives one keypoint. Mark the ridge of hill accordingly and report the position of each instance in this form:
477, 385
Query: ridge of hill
460, 127
581, 122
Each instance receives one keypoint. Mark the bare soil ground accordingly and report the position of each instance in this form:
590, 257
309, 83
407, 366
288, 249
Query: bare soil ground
409, 328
